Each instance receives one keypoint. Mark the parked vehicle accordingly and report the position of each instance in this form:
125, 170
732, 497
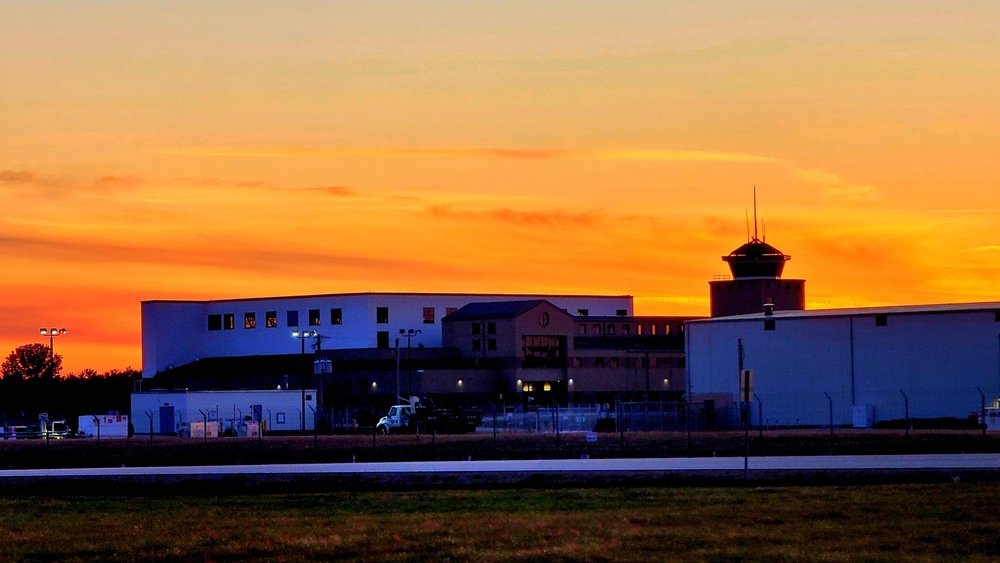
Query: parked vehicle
416, 417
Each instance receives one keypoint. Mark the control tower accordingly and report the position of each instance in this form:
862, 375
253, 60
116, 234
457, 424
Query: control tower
756, 280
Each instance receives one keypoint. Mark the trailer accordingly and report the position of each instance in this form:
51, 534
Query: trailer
111, 425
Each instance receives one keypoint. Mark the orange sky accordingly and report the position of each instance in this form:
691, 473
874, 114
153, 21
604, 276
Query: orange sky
175, 150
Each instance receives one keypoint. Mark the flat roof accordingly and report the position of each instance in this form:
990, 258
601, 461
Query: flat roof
862, 311
390, 293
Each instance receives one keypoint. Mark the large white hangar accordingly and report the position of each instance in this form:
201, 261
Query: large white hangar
864, 365
175, 333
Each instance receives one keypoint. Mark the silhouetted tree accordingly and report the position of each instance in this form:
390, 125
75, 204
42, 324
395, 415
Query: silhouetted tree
30, 362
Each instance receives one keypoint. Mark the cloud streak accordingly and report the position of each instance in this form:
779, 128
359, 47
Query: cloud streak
838, 190
473, 152
546, 218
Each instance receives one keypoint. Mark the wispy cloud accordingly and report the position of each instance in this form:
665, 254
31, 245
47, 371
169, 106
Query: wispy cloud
544, 218
987, 248
838, 190
472, 152
17, 177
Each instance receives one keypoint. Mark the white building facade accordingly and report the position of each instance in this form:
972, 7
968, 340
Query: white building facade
175, 333
861, 365
173, 412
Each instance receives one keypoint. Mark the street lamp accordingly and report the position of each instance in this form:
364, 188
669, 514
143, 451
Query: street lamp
302, 335
409, 333
52, 333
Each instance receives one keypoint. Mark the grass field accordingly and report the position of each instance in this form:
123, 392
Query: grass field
940, 522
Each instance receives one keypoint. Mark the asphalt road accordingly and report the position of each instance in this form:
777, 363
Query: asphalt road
485, 469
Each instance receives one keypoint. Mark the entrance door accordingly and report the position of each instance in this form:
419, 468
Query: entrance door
167, 420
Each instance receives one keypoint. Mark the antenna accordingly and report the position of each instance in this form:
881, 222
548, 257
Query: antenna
747, 214
755, 212
763, 227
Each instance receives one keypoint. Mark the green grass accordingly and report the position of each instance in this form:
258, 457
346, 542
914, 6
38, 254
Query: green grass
928, 522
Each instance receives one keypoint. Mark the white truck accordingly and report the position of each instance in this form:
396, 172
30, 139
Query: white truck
415, 417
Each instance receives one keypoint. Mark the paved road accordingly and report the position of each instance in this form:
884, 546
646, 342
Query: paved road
485, 469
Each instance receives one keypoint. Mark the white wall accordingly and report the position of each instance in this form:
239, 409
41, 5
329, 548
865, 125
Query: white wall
937, 359
175, 333
223, 405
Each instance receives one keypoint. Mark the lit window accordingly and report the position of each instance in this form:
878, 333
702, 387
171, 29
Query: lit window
546, 387
292, 318
382, 315
314, 317
336, 316
666, 329
271, 319
229, 321
428, 315
249, 320
638, 329
652, 330
215, 322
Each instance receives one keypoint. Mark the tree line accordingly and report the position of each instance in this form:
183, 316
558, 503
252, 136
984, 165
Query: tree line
33, 383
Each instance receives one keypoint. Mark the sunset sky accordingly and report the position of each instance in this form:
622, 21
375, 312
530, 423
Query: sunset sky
190, 150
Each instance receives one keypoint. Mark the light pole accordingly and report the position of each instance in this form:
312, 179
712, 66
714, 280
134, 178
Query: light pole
302, 335
52, 333
409, 333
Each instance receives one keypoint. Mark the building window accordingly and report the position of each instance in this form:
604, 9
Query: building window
449, 310
666, 329
614, 362
337, 316
476, 345
314, 317
215, 322
476, 328
249, 320
621, 312
543, 351
382, 315
292, 318
638, 329
279, 418
491, 344
428, 315
229, 321
625, 329
881, 320
599, 362
583, 328
382, 339
768, 325
271, 319
597, 329
491, 328
996, 316
611, 329
652, 330
583, 312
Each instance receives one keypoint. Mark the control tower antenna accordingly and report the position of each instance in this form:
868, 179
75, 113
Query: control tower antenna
755, 212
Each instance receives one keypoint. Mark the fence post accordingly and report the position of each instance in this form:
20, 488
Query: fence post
760, 417
906, 407
150, 415
982, 410
831, 413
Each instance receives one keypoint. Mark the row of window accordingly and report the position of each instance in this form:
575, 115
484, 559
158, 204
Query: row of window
767, 285
628, 362
625, 329
586, 312
227, 321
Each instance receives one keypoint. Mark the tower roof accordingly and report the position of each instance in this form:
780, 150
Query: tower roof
756, 259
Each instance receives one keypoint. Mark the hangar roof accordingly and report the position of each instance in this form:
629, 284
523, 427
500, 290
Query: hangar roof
862, 311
